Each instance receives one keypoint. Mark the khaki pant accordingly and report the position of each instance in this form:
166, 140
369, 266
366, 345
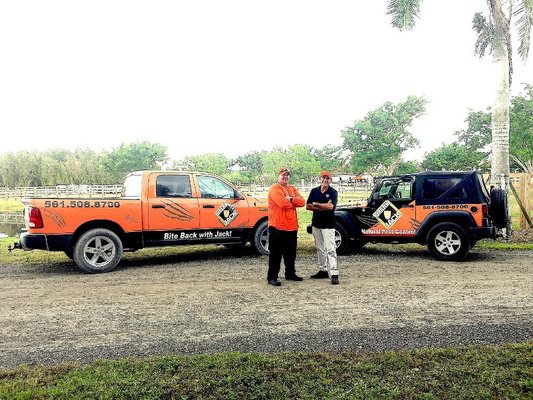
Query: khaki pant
326, 250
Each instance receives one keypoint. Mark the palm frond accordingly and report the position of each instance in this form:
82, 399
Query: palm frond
404, 13
485, 34
524, 25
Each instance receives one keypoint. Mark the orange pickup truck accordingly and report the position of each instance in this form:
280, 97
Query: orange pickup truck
156, 208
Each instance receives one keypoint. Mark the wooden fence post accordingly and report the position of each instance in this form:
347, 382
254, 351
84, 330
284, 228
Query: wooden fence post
525, 197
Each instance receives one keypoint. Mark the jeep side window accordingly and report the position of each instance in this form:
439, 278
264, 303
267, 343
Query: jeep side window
385, 189
403, 190
213, 188
395, 189
173, 186
433, 188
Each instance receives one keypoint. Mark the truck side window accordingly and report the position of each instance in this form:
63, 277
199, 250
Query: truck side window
213, 188
173, 186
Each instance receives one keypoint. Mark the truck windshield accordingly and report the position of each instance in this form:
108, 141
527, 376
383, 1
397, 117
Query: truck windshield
132, 186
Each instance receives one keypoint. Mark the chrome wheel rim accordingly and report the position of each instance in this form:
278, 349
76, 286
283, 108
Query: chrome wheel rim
338, 239
99, 251
447, 242
263, 239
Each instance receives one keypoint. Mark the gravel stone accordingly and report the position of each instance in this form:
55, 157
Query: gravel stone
215, 301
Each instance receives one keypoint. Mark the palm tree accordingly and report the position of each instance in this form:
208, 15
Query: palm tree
494, 34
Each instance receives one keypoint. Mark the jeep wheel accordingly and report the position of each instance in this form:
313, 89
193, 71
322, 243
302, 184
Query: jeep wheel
342, 241
98, 250
260, 239
448, 242
499, 207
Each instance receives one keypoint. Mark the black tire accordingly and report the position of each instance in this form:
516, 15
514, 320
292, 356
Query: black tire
69, 253
98, 250
259, 239
357, 244
448, 242
499, 210
233, 246
342, 241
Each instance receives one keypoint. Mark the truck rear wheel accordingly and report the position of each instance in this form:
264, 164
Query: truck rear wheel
448, 242
260, 239
98, 250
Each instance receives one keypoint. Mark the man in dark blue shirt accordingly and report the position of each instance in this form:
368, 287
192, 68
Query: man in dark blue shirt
322, 201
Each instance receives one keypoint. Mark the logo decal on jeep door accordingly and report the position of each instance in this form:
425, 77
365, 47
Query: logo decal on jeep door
387, 214
226, 213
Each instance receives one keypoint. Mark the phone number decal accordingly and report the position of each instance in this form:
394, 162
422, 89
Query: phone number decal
81, 204
446, 207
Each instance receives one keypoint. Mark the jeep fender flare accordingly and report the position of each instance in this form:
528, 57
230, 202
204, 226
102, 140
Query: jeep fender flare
462, 218
346, 219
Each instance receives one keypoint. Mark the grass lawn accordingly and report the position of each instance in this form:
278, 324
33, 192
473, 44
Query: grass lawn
484, 372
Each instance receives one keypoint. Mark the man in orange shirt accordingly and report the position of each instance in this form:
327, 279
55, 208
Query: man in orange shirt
283, 228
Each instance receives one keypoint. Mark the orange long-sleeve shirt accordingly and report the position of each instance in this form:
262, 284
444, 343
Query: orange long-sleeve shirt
281, 211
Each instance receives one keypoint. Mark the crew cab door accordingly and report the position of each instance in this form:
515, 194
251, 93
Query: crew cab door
393, 207
172, 208
222, 209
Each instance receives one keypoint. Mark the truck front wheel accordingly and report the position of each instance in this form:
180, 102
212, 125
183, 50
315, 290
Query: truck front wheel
448, 242
98, 250
260, 239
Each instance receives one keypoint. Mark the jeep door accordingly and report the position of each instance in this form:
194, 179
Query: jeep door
222, 209
393, 207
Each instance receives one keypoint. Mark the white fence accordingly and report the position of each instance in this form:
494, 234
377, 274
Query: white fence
61, 191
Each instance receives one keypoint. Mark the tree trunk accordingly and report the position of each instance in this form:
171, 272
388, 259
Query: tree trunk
500, 121
500, 113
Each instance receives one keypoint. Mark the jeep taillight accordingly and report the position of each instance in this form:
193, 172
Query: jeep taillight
35, 220
485, 209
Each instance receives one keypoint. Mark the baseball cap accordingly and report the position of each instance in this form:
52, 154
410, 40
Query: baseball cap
326, 173
284, 171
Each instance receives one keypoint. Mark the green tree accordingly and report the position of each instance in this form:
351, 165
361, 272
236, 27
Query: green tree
407, 167
215, 163
299, 158
133, 157
272, 161
521, 130
450, 157
251, 165
376, 143
331, 158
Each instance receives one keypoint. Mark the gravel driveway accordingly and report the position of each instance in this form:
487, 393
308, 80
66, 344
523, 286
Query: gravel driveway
219, 301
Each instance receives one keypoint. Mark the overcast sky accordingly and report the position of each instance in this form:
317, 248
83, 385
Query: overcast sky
231, 76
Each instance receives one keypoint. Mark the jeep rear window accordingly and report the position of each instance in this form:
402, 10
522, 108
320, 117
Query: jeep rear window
433, 188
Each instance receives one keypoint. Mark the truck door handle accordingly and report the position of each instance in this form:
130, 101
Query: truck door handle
208, 206
158, 206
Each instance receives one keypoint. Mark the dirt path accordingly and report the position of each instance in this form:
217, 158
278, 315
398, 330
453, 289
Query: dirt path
206, 303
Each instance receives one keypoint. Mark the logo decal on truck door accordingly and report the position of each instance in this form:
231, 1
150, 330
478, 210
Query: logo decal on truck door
226, 213
387, 214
